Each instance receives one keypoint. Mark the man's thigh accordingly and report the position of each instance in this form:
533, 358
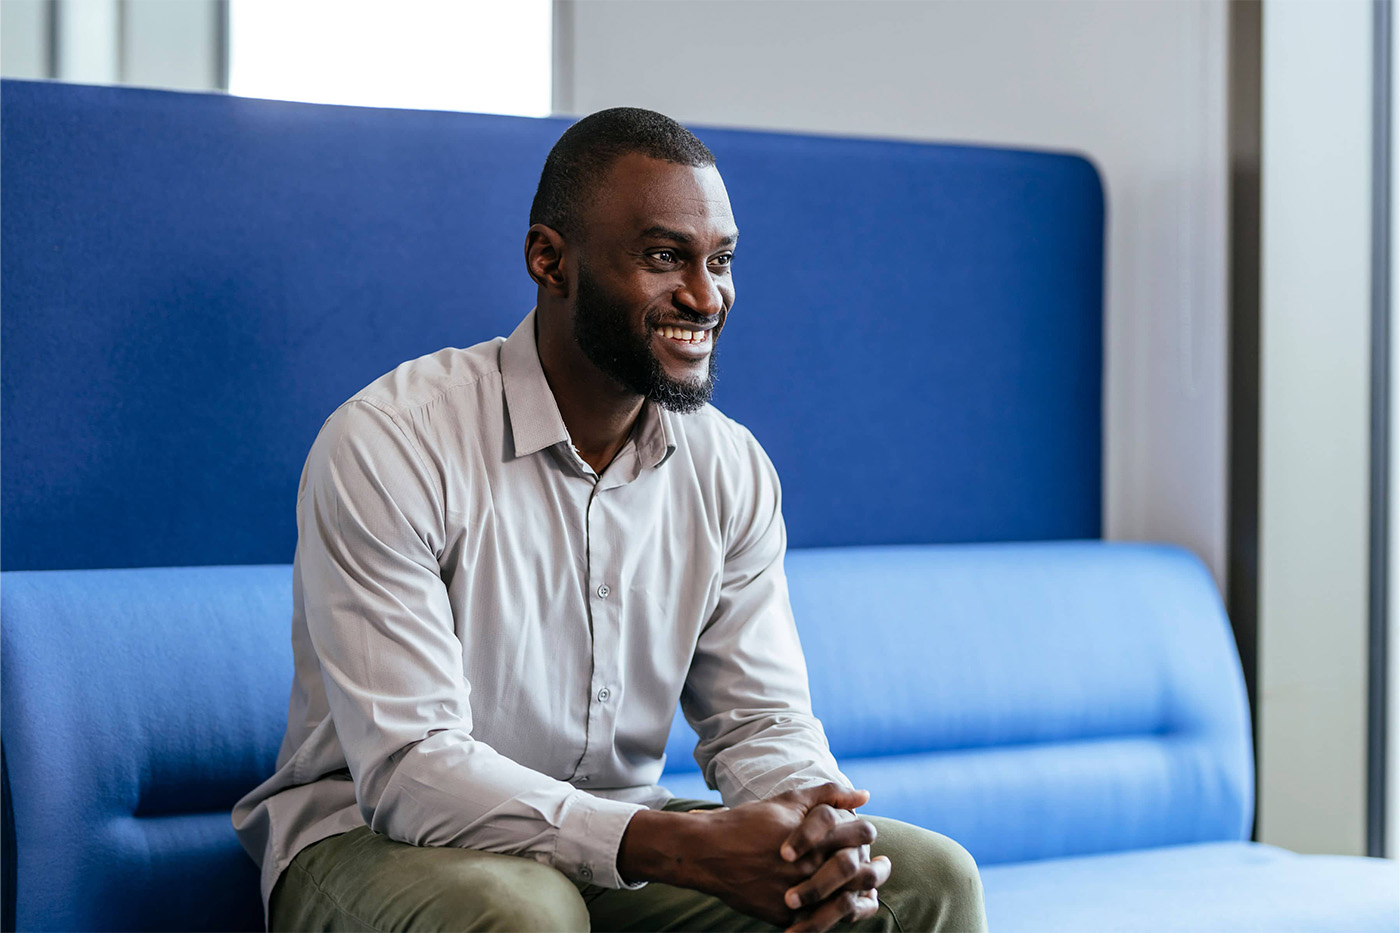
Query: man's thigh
362, 880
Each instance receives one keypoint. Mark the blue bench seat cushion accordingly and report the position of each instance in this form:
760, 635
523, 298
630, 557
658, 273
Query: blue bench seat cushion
1043, 801
1220, 887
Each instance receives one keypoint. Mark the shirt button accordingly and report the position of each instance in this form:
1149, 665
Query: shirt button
603, 695
603, 591
586, 873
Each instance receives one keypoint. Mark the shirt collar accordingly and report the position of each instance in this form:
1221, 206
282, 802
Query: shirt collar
535, 422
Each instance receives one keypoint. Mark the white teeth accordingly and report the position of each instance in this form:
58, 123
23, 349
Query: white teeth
685, 334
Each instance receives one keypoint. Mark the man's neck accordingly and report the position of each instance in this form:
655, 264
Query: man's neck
598, 414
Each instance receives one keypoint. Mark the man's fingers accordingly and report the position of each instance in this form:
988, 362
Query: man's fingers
848, 905
827, 915
857, 900
815, 826
882, 867
832, 794
824, 830
846, 870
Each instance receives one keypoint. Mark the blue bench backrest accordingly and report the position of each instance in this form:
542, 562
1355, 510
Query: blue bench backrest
192, 283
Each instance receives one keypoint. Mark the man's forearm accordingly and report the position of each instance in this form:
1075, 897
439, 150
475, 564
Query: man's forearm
657, 846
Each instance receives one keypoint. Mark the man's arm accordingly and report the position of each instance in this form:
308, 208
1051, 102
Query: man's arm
746, 694
371, 523
747, 697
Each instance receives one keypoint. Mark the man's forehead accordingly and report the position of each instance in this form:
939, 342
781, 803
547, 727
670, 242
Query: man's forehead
642, 193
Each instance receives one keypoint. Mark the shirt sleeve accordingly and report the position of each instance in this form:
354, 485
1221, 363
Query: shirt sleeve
746, 695
370, 520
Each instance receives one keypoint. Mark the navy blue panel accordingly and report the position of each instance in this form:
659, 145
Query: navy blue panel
191, 283
917, 337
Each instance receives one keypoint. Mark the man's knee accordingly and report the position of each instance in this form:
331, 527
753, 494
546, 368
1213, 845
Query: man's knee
934, 883
943, 859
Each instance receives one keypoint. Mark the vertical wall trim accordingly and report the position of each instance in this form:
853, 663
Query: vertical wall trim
51, 34
123, 24
1242, 535
221, 45
1377, 697
562, 77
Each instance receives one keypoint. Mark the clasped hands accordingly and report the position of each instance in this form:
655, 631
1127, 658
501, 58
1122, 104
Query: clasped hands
799, 859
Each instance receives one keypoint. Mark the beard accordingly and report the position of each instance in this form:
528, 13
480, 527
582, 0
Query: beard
603, 331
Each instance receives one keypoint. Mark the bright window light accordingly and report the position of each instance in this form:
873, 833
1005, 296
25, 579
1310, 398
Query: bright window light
487, 56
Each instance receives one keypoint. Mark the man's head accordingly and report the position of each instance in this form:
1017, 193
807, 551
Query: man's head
630, 242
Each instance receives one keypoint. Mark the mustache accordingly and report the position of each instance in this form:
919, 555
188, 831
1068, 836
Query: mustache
656, 315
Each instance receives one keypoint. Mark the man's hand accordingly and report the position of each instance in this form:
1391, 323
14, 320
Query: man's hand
735, 855
834, 892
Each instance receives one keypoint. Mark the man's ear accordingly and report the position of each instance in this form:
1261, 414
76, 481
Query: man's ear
544, 259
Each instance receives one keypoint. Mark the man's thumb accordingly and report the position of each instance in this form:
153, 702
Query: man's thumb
834, 795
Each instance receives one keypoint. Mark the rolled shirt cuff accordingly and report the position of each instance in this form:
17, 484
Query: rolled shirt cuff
589, 836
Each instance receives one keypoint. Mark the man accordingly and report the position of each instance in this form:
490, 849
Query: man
513, 561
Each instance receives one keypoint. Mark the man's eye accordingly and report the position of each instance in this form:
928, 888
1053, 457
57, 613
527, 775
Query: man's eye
664, 255
723, 259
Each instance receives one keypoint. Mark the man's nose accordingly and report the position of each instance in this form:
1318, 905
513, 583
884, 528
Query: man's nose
700, 293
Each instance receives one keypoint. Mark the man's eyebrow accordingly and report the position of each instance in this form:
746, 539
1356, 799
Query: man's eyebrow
678, 236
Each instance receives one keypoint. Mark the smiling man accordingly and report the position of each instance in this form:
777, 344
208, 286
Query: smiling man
513, 561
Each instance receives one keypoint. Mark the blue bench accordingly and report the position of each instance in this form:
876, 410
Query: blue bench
191, 283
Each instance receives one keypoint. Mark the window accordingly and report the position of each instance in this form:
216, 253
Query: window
479, 55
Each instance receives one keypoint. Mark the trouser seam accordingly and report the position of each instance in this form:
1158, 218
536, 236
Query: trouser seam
893, 916
338, 905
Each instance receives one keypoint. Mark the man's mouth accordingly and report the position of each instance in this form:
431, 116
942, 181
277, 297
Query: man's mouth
684, 335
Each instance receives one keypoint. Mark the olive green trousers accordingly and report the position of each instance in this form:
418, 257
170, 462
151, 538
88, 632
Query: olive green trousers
362, 880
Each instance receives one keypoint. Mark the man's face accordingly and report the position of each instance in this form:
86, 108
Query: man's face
653, 279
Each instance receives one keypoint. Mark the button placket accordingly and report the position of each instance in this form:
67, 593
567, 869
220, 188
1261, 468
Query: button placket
604, 610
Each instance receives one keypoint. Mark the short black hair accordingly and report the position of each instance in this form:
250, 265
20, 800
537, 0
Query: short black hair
588, 149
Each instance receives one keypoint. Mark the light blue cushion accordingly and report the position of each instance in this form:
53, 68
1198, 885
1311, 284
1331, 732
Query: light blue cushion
1229, 887
139, 705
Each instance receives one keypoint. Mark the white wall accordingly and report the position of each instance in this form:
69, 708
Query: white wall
24, 38
176, 44
1314, 423
1138, 86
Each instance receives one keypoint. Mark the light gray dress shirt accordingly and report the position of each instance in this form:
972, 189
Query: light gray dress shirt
491, 639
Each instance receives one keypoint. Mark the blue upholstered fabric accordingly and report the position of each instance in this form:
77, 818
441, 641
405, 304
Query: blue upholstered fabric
191, 283
1030, 700
1221, 887
139, 706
